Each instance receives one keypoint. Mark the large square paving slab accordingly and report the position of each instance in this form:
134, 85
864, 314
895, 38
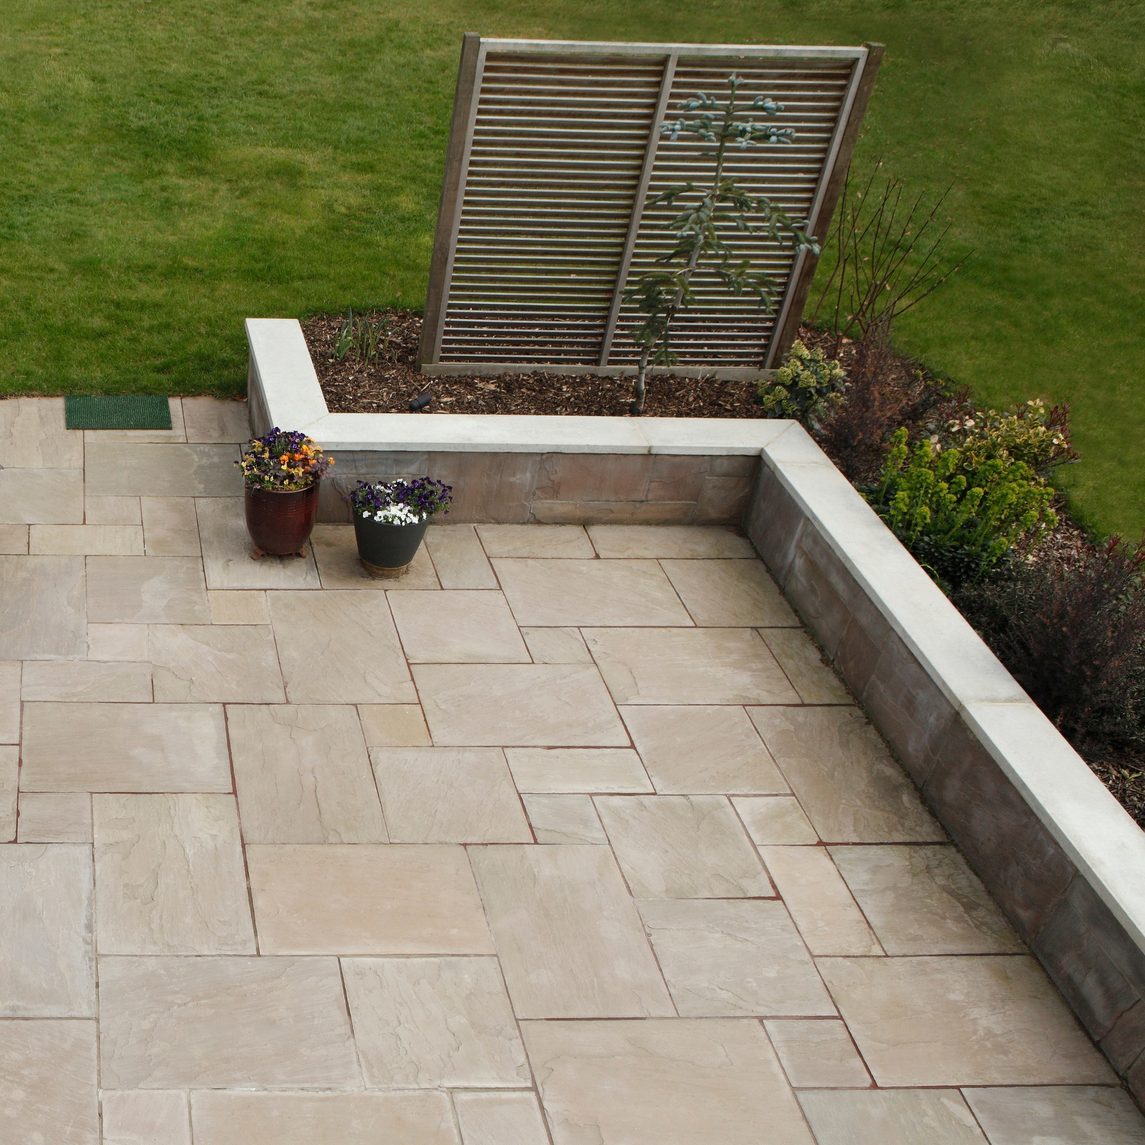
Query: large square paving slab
730, 594
42, 608
457, 627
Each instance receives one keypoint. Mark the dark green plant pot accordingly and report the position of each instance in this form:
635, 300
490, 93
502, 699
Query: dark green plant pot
386, 550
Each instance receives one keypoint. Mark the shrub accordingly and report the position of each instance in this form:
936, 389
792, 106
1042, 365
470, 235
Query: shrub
807, 387
1071, 629
1033, 433
957, 516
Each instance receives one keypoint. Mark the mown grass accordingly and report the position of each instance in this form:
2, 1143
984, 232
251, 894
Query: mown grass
168, 169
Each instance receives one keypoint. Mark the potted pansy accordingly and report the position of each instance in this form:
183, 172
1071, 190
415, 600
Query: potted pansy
390, 520
281, 471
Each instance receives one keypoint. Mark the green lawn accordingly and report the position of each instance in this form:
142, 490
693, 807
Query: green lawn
167, 169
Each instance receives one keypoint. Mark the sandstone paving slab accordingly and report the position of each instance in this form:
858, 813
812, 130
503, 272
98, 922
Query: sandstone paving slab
212, 419
393, 725
412, 1118
204, 663
691, 749
9, 782
78, 540
14, 540
688, 666
111, 511
458, 557
212, 1022
146, 590
687, 541
564, 819
303, 775
774, 819
449, 795
339, 648
169, 875
732, 593
227, 549
42, 607
145, 1117
492, 1118
34, 435
434, 1022
51, 817
727, 959
124, 747
1057, 1115
846, 780
679, 1082
967, 1020
518, 705
160, 469
120, 681
877, 1117
10, 673
819, 901
339, 565
41, 496
48, 1083
567, 932
556, 645
170, 526
925, 900
555, 770
47, 969
578, 593
117, 642
457, 627
682, 847
535, 541
817, 1053
366, 899
238, 606
801, 659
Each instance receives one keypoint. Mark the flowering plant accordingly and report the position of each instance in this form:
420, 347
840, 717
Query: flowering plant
286, 461
400, 502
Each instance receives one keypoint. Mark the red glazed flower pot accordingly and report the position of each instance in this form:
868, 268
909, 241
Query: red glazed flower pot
280, 522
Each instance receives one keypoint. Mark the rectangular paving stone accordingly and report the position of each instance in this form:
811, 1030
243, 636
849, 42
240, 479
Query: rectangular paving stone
457, 627
535, 541
688, 541
41, 496
819, 901
10, 701
536, 705
556, 645
160, 469
680, 1082
774, 819
565, 770
77, 680
730, 593
688, 666
339, 565
697, 750
201, 663
170, 526
303, 775
800, 658
726, 959
567, 932
682, 846
844, 776
458, 557
968, 1020
564, 819
34, 435
14, 539
48, 1083
817, 1053
339, 648
925, 900
500, 1119
124, 747
393, 725
1057, 1115
50, 817
169, 875
146, 590
577, 593
214, 419
217, 1022
47, 969
873, 1117
227, 548
449, 795
42, 608
77, 540
434, 1022
417, 1118
365, 899
240, 606
145, 1117
117, 642
9, 781
111, 511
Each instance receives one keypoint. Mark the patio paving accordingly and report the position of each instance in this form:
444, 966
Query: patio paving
568, 838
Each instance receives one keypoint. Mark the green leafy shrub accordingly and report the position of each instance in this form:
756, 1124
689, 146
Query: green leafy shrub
1034, 433
807, 387
960, 516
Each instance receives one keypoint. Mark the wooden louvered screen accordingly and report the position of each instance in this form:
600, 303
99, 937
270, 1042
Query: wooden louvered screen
555, 150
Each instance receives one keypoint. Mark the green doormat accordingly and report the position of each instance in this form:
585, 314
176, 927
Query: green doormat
120, 411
